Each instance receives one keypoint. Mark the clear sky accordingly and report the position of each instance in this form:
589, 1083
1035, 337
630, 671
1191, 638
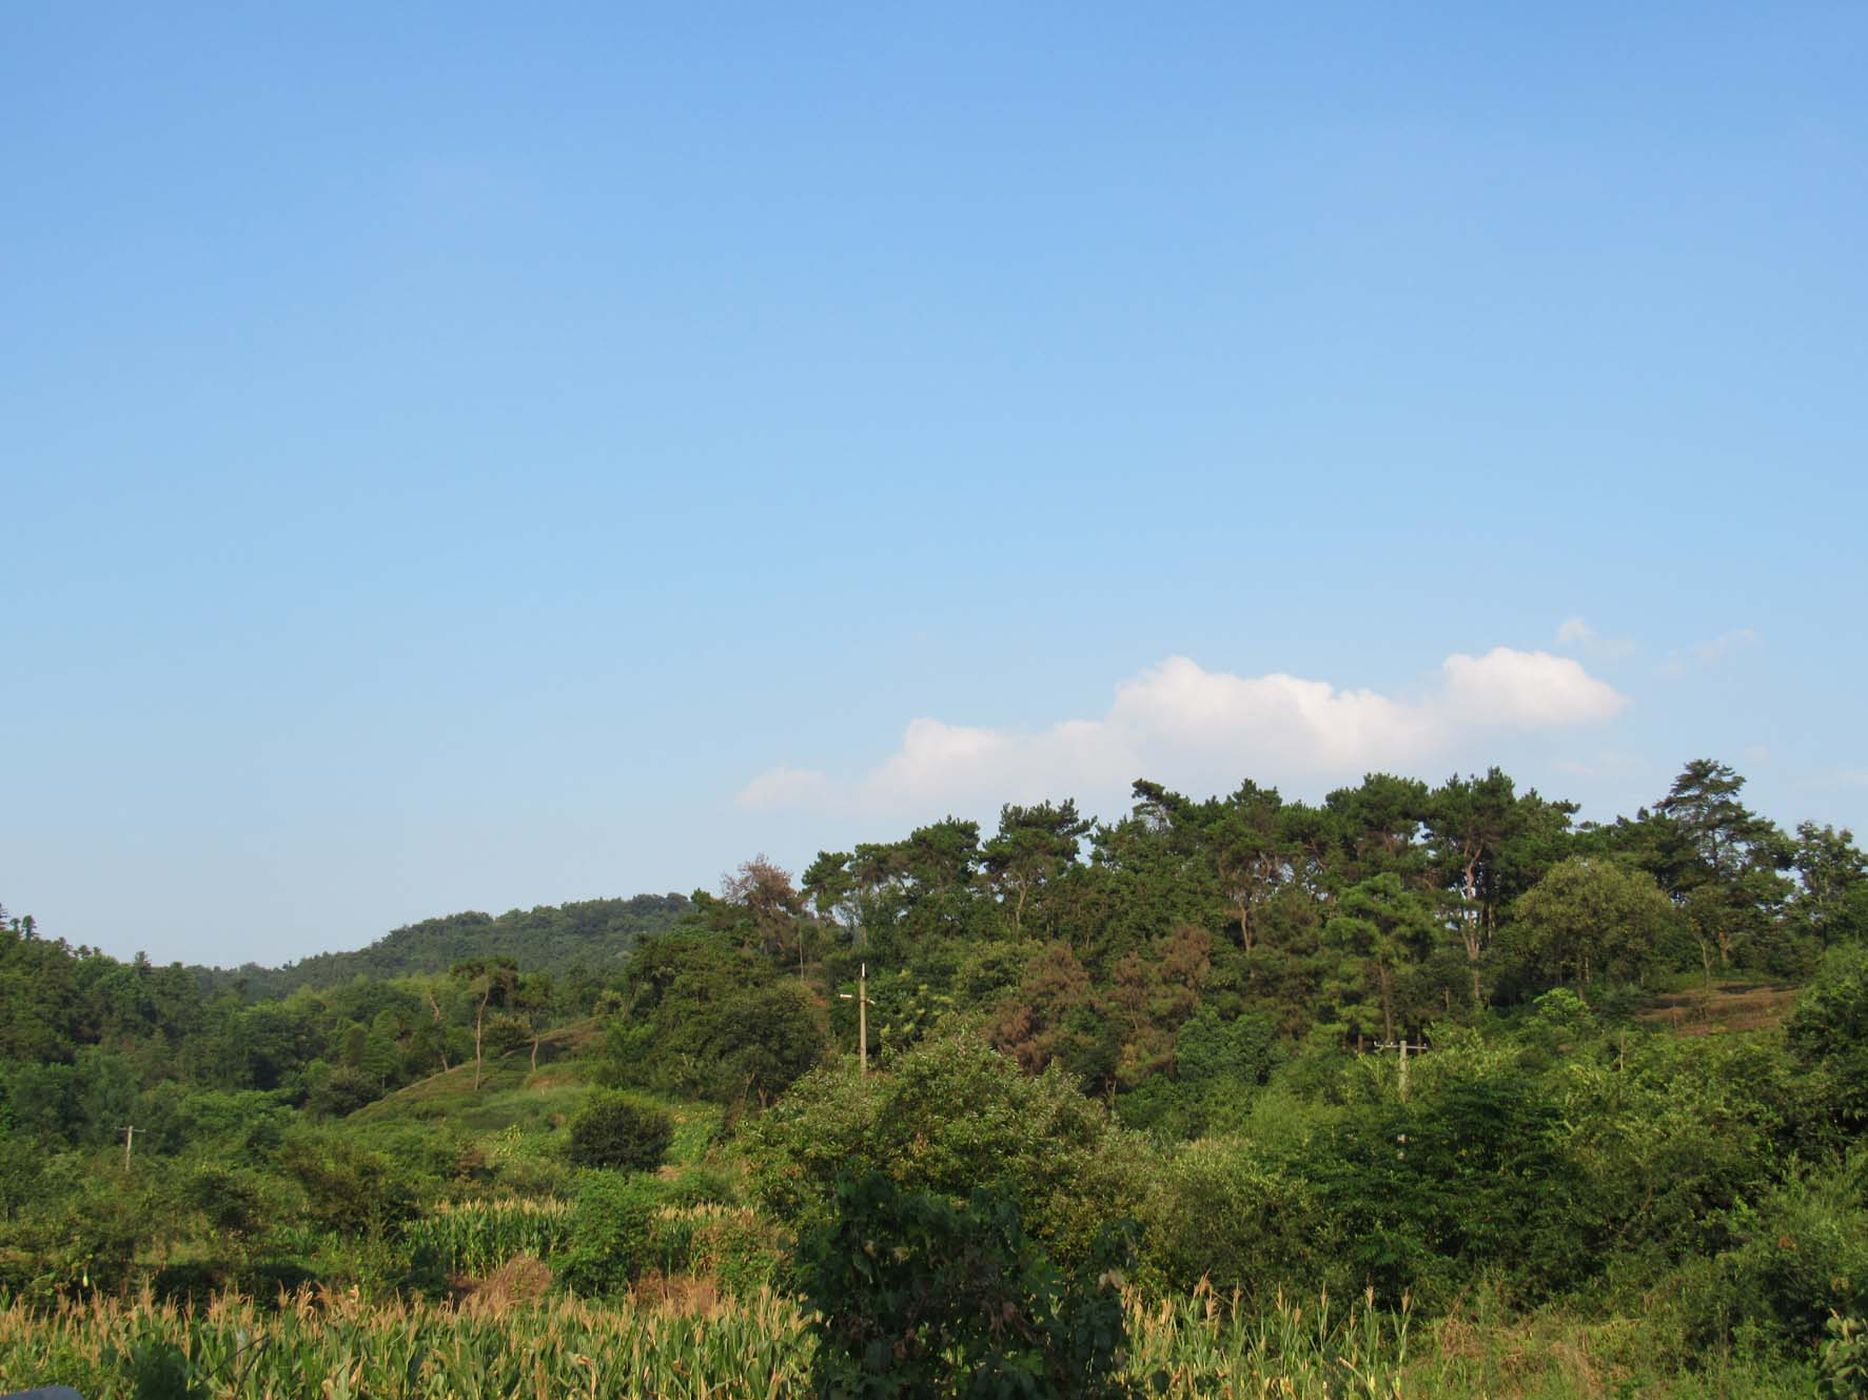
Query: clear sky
464, 456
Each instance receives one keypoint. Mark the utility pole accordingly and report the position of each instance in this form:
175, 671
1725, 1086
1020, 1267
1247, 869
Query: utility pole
862, 1016
129, 1137
1403, 1046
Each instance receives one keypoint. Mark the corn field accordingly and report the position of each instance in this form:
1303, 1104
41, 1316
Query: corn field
341, 1349
476, 1237
1306, 1351
338, 1347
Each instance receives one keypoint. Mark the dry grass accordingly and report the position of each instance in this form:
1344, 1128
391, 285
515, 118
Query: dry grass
1742, 1006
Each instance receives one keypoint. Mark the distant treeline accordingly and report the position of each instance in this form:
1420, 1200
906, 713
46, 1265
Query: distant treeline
589, 936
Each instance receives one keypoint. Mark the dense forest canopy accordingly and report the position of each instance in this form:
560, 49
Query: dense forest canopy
1417, 1039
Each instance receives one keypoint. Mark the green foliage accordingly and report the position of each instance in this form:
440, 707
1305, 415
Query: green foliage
611, 1233
1829, 1030
622, 1131
1845, 1356
918, 1296
1569, 1169
1224, 1211
948, 1117
706, 1016
1465, 1172
1590, 918
349, 1188
566, 940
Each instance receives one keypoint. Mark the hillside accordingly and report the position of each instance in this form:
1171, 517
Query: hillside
591, 933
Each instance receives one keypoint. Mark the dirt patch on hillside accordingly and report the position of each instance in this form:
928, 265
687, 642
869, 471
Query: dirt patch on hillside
1747, 1006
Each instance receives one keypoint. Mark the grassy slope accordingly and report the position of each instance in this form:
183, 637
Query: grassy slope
1722, 1008
520, 1108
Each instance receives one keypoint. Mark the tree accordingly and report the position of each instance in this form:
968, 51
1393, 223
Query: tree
1034, 846
1591, 917
1250, 854
832, 890
1487, 845
489, 982
1385, 926
1718, 859
772, 905
533, 999
949, 1115
1833, 877
769, 1036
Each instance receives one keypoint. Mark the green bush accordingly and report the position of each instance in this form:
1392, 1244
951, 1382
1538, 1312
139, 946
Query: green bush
1829, 1030
1220, 1212
915, 1295
348, 1188
612, 1233
950, 1116
1800, 1254
621, 1131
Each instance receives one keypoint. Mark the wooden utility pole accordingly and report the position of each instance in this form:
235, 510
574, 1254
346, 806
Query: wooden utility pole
862, 1016
129, 1137
1403, 1046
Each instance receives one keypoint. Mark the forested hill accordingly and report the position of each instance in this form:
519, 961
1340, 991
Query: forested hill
593, 934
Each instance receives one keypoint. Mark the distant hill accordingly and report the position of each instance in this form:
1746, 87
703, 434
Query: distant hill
591, 933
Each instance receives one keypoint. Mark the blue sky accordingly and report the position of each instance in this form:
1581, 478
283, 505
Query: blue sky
464, 457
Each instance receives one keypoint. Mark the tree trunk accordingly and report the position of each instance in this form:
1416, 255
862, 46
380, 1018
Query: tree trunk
479, 1018
435, 1007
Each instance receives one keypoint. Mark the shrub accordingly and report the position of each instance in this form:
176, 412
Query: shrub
1829, 1030
1221, 1212
343, 1090
611, 1233
348, 1188
622, 1131
918, 1296
950, 1116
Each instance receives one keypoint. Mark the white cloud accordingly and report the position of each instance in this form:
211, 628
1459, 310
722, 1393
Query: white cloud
1526, 690
1181, 722
1580, 636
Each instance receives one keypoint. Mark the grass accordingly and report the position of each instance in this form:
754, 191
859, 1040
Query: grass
1724, 1007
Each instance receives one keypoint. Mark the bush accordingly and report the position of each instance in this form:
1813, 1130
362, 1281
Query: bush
917, 1296
1221, 1212
1799, 1255
611, 1232
621, 1131
341, 1091
1829, 1030
349, 1189
950, 1116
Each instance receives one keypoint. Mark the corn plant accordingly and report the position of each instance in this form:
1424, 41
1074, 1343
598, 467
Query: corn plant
476, 1237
